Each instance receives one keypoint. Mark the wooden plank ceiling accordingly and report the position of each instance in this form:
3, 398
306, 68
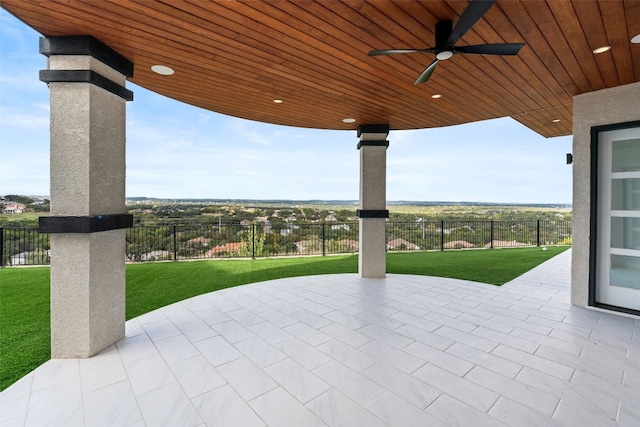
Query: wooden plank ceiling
236, 57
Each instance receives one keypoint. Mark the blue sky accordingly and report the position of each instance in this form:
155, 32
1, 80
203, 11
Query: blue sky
179, 151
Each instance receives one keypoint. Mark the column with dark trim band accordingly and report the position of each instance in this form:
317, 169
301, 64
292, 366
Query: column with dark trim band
373, 213
88, 218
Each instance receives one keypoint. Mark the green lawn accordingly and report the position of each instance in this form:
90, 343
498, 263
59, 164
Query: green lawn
24, 292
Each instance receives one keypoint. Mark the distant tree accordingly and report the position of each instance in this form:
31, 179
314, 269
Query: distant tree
18, 199
343, 215
40, 207
290, 248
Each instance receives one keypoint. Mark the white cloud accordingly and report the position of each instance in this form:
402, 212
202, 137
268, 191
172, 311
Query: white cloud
241, 130
36, 118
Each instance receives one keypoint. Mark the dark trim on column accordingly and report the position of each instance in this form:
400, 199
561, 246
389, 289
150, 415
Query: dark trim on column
86, 45
373, 144
85, 76
84, 224
593, 220
372, 213
373, 129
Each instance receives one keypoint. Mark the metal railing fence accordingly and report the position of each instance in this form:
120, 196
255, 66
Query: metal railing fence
26, 246
443, 235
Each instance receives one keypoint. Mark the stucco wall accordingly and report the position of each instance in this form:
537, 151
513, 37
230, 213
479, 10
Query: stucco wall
616, 105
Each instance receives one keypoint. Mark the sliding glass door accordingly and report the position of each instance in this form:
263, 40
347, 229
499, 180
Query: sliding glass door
618, 221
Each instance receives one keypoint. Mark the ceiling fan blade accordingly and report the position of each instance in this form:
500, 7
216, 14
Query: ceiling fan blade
470, 16
394, 51
427, 72
491, 49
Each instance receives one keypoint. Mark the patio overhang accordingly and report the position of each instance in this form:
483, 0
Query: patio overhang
236, 58
305, 64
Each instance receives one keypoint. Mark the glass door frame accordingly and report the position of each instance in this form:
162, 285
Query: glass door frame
593, 241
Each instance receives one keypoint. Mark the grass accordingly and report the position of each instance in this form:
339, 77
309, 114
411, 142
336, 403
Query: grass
24, 322
24, 292
26, 216
495, 267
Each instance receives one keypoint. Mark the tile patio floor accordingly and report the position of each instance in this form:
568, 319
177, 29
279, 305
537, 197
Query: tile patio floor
342, 351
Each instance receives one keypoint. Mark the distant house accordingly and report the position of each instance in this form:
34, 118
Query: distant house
340, 227
13, 208
267, 225
349, 243
401, 244
302, 245
505, 243
227, 248
38, 257
199, 240
288, 229
308, 246
458, 244
19, 259
155, 256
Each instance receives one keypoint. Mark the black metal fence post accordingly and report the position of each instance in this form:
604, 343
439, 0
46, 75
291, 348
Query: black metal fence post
491, 235
253, 241
324, 248
538, 233
175, 243
442, 235
1, 246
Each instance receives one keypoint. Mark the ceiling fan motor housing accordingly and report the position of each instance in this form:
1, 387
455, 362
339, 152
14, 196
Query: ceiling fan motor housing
443, 31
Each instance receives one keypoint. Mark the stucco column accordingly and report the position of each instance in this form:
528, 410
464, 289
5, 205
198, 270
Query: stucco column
373, 199
87, 224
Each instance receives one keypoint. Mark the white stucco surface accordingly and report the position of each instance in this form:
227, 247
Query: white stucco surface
373, 178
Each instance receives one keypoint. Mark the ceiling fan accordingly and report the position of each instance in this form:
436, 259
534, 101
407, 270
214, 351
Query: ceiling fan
447, 36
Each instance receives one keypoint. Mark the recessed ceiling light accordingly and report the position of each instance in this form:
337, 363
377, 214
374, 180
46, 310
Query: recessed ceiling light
278, 101
162, 70
348, 120
635, 39
556, 120
601, 49
436, 96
